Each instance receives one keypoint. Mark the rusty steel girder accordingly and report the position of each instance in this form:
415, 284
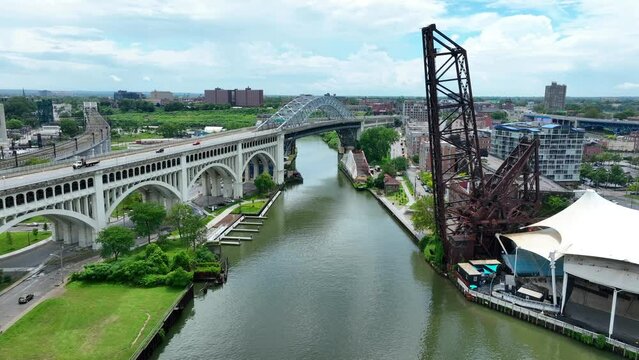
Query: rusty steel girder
470, 207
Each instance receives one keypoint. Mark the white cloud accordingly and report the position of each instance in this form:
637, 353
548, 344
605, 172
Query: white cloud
356, 46
628, 86
115, 78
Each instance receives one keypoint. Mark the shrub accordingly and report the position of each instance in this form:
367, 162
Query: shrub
212, 267
182, 260
152, 280
179, 278
94, 272
158, 263
204, 255
600, 342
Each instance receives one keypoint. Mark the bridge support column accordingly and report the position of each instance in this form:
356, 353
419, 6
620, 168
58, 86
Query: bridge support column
99, 209
183, 183
278, 169
238, 190
207, 183
237, 182
255, 167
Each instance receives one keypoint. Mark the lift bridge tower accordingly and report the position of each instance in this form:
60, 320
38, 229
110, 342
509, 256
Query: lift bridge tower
471, 204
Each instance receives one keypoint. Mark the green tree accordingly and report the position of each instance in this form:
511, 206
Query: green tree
69, 127
389, 168
400, 163
19, 107
634, 187
177, 215
592, 112
147, 217
264, 183
35, 233
424, 214
539, 108
376, 143
600, 175
190, 227
499, 115
194, 229
553, 204
115, 240
14, 124
415, 159
586, 171
617, 176
174, 106
170, 130
426, 178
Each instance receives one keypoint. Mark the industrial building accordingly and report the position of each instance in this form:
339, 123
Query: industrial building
560, 150
247, 97
555, 96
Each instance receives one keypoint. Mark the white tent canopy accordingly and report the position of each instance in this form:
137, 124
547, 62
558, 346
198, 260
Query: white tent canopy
591, 226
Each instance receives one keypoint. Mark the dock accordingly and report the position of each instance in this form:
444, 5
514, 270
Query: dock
251, 223
258, 217
246, 238
245, 230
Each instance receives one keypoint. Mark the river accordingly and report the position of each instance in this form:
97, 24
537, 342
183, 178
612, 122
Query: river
332, 276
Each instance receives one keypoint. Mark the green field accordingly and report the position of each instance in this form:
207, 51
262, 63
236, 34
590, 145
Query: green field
127, 138
88, 321
229, 119
250, 208
20, 239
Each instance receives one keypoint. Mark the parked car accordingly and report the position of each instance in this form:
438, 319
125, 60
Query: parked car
160, 150
196, 143
25, 299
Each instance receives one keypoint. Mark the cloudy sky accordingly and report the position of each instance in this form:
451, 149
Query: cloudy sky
348, 47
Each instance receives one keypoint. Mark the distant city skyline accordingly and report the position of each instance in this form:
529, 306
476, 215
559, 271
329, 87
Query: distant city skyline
363, 48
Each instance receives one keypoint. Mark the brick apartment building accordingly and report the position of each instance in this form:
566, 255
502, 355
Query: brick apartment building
247, 97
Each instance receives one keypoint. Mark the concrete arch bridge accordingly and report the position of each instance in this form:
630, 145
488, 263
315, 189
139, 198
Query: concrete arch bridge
80, 202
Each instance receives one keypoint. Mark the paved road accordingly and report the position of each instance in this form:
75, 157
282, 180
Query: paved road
25, 179
40, 285
33, 257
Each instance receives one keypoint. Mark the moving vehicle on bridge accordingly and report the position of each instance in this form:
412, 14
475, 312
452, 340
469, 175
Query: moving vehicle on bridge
83, 163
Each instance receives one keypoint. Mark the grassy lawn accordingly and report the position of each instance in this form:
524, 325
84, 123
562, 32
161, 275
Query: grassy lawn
118, 147
250, 208
229, 119
88, 321
409, 184
398, 197
19, 239
126, 138
37, 219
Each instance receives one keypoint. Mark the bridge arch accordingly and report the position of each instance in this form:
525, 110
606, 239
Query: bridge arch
50, 213
70, 226
261, 154
164, 188
297, 111
216, 176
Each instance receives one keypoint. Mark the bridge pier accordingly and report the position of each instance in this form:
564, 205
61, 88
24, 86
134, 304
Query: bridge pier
278, 169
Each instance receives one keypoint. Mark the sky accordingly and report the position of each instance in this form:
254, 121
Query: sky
288, 47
